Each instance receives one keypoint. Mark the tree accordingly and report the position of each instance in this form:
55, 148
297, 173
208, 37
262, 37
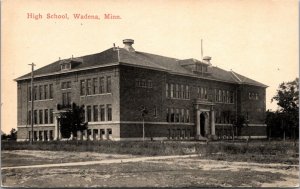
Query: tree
239, 123
13, 134
72, 120
287, 98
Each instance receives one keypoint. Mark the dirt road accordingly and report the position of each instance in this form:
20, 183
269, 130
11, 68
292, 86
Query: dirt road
111, 170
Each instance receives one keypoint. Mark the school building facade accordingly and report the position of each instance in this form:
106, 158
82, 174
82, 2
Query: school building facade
185, 99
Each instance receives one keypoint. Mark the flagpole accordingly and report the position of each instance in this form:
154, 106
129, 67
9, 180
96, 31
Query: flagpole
201, 50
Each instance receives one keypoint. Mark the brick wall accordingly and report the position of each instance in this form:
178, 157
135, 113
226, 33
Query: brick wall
24, 105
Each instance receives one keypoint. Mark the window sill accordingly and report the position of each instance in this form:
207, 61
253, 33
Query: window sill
177, 98
41, 100
224, 103
95, 95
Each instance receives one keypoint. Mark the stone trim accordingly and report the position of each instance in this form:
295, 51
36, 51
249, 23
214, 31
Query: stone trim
138, 122
252, 137
257, 125
35, 126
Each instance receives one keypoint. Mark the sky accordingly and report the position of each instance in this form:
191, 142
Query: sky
258, 38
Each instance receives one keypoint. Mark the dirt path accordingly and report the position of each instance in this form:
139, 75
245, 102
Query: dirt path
137, 159
113, 170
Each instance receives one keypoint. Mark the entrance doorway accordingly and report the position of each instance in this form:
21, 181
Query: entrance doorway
202, 124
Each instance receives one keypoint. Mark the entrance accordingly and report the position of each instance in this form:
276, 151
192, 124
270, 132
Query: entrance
202, 124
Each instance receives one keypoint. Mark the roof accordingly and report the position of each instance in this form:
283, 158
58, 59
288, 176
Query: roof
140, 59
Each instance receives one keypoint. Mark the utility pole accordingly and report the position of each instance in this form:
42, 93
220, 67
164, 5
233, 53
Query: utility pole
32, 99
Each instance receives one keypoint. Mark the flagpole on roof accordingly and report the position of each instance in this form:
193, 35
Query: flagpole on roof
201, 50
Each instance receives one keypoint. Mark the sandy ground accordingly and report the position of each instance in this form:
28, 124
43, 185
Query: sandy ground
176, 171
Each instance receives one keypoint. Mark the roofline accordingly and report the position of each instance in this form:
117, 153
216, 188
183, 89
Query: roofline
138, 66
239, 80
242, 82
188, 75
70, 71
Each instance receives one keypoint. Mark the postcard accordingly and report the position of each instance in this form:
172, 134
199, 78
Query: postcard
193, 93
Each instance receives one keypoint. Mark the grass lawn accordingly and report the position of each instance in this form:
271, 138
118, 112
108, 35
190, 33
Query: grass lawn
254, 151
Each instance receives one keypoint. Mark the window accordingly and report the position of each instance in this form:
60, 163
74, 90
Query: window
102, 113
231, 97
187, 116
40, 92
95, 86
177, 116
201, 93
66, 98
95, 112
143, 83
149, 83
66, 85
46, 135
82, 87
220, 96
46, 91
172, 92
89, 86
137, 82
51, 135
29, 93
216, 96
182, 92
89, 113
227, 97
172, 115
35, 93
205, 93
177, 91
167, 90
101, 86
51, 115
66, 66
40, 135
35, 116
187, 92
108, 84
224, 96
29, 117
51, 91
109, 112
167, 115
182, 116
46, 116
34, 135
155, 111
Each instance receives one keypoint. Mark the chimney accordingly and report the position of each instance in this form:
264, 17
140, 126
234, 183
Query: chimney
207, 59
128, 45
